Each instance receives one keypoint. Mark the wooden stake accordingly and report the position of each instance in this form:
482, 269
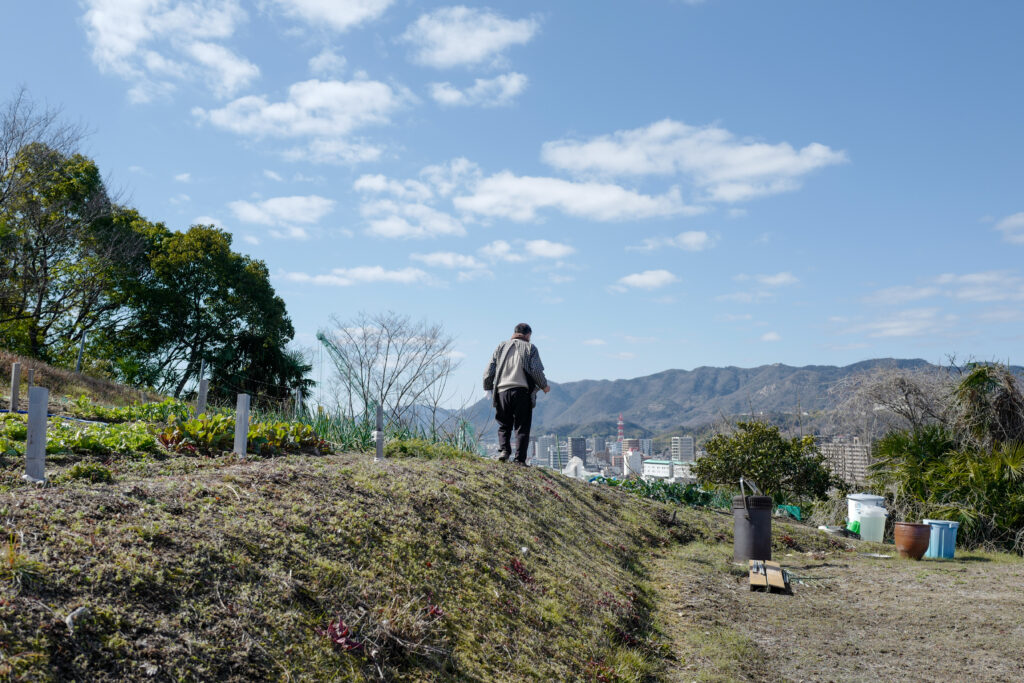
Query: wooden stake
204, 388
15, 385
242, 425
35, 442
379, 434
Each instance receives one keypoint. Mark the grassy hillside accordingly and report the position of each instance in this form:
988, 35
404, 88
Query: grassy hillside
236, 571
64, 383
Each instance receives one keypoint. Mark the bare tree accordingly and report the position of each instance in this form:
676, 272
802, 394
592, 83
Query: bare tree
871, 403
389, 359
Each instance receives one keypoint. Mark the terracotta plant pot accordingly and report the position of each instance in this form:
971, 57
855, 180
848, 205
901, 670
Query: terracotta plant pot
912, 539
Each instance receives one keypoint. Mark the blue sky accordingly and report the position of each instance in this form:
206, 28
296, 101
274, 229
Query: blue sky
651, 185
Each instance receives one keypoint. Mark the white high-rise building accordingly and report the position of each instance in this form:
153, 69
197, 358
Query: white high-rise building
647, 447
545, 445
683, 448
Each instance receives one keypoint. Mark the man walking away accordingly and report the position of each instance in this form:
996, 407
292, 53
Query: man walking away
515, 374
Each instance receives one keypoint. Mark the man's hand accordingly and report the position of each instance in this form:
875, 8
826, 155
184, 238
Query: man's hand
547, 389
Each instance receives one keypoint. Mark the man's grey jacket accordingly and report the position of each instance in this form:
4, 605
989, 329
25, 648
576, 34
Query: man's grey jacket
515, 363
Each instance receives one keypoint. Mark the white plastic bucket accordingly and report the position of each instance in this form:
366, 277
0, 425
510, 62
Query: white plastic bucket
856, 502
872, 523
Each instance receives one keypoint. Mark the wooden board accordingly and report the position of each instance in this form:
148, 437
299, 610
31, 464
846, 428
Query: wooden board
767, 575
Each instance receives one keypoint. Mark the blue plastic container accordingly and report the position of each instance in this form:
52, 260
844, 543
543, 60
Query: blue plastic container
943, 539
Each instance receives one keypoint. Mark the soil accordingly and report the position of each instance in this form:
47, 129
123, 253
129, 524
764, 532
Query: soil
850, 617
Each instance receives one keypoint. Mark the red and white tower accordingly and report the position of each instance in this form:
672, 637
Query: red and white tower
621, 425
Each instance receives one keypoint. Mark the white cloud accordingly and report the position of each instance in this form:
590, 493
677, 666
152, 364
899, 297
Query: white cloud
777, 280
910, 323
290, 232
771, 337
987, 286
340, 15
648, 279
448, 259
691, 240
346, 277
594, 342
487, 92
745, 297
505, 195
994, 285
546, 249
180, 198
903, 294
327, 63
408, 220
500, 250
408, 189
267, 173
132, 39
1012, 228
183, 177
227, 73
208, 220
283, 211
325, 111
453, 175
453, 36
251, 239
726, 168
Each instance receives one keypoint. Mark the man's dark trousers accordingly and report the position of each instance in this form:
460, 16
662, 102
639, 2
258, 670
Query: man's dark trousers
515, 410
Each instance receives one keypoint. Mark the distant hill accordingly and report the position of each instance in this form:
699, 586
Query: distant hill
688, 399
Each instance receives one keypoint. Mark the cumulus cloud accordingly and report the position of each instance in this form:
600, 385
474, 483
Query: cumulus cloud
500, 250
648, 279
519, 198
1012, 228
771, 337
327, 63
724, 167
454, 36
408, 220
326, 112
283, 211
156, 45
448, 259
401, 189
347, 277
691, 240
340, 15
227, 73
271, 175
183, 177
486, 92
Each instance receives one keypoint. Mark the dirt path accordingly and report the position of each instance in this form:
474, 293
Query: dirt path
850, 618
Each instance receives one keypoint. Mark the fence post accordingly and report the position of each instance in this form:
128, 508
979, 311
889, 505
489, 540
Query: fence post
15, 385
204, 388
379, 434
35, 441
81, 349
242, 425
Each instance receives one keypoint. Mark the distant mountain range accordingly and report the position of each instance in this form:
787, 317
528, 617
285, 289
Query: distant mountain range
685, 400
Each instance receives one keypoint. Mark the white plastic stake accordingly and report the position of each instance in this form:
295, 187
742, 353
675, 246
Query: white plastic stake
379, 434
242, 425
15, 385
35, 442
204, 388
298, 402
31, 377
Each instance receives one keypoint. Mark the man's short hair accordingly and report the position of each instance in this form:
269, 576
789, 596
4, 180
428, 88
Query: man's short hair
523, 328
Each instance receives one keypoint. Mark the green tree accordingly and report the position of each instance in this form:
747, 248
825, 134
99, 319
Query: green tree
204, 303
785, 469
61, 250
